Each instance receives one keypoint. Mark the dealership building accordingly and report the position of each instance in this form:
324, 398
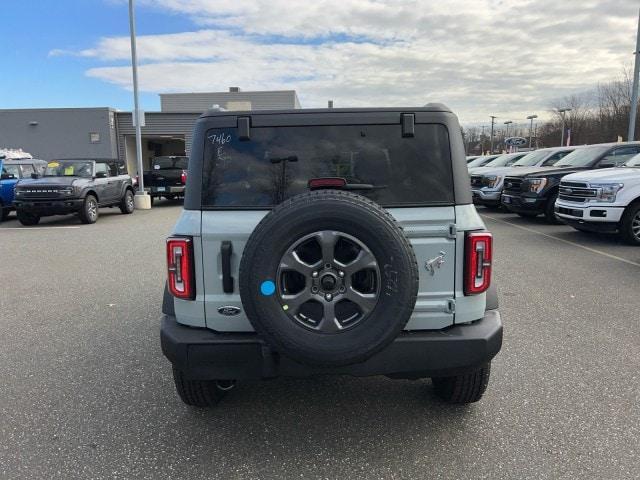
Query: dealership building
104, 132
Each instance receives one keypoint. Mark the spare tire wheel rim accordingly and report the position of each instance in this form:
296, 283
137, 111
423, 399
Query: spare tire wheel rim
328, 281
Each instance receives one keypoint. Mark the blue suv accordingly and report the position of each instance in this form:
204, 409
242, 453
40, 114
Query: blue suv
11, 172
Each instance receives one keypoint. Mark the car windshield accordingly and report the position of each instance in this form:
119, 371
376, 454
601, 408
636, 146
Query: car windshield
480, 161
502, 161
69, 168
582, 157
532, 158
634, 162
164, 163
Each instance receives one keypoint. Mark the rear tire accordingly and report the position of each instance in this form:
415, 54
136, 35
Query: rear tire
28, 219
466, 388
4, 213
89, 212
549, 211
127, 204
197, 393
631, 220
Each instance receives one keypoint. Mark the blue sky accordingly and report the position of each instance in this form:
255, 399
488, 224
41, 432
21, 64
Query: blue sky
467, 54
38, 79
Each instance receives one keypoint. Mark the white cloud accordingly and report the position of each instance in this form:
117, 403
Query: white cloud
504, 57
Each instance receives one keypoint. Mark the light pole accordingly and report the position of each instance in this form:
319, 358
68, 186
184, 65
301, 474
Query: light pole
493, 121
141, 199
562, 111
506, 133
531, 117
634, 94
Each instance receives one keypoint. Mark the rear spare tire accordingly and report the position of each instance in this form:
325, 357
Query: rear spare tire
328, 278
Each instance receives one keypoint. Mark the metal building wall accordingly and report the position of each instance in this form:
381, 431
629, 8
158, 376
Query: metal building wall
49, 133
200, 102
156, 123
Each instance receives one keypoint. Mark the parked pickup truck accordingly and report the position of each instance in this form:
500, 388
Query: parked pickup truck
487, 182
74, 186
167, 177
603, 201
535, 191
12, 172
330, 241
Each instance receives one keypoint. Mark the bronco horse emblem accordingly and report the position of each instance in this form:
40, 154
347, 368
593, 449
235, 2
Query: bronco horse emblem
434, 263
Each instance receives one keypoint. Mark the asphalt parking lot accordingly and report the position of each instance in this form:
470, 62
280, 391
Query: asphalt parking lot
86, 393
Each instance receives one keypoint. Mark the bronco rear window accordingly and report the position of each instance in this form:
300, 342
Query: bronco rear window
277, 163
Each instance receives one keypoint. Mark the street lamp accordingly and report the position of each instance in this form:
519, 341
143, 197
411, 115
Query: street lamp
493, 121
506, 133
141, 199
531, 117
562, 111
507, 123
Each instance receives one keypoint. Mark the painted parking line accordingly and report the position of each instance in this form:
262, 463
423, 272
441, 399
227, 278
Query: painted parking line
24, 229
584, 247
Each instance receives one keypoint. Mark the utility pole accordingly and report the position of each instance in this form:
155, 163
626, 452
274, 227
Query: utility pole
493, 121
482, 140
531, 117
141, 199
634, 96
562, 111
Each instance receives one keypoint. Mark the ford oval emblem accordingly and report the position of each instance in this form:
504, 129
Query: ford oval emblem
229, 310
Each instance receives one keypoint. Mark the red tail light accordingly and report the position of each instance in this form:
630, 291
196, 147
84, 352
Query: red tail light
478, 253
180, 269
183, 177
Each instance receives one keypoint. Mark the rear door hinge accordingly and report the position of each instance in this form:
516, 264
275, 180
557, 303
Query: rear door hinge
451, 306
453, 230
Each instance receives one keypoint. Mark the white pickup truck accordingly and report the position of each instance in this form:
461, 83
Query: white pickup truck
605, 200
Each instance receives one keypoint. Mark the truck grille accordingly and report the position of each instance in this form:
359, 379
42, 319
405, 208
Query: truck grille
476, 181
512, 185
576, 192
39, 192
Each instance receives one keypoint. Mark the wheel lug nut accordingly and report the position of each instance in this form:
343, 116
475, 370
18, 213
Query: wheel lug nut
314, 289
328, 297
314, 274
341, 273
342, 289
327, 266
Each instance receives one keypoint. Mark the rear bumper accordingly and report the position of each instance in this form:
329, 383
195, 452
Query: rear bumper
165, 190
44, 208
203, 354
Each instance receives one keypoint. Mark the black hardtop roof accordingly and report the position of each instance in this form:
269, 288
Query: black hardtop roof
430, 107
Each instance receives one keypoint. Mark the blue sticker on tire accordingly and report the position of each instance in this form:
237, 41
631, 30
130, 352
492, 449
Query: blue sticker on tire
267, 288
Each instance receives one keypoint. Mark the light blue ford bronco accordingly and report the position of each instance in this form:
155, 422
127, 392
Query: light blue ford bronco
334, 241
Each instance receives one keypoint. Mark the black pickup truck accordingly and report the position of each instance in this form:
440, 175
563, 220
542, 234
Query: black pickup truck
74, 186
167, 177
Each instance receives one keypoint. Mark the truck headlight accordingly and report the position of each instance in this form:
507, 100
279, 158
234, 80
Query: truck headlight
491, 181
536, 184
606, 192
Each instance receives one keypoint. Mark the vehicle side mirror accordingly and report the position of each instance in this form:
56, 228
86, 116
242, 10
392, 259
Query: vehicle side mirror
35, 176
101, 175
7, 176
607, 164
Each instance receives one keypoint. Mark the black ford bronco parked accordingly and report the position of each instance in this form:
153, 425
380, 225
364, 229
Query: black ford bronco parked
74, 186
329, 241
